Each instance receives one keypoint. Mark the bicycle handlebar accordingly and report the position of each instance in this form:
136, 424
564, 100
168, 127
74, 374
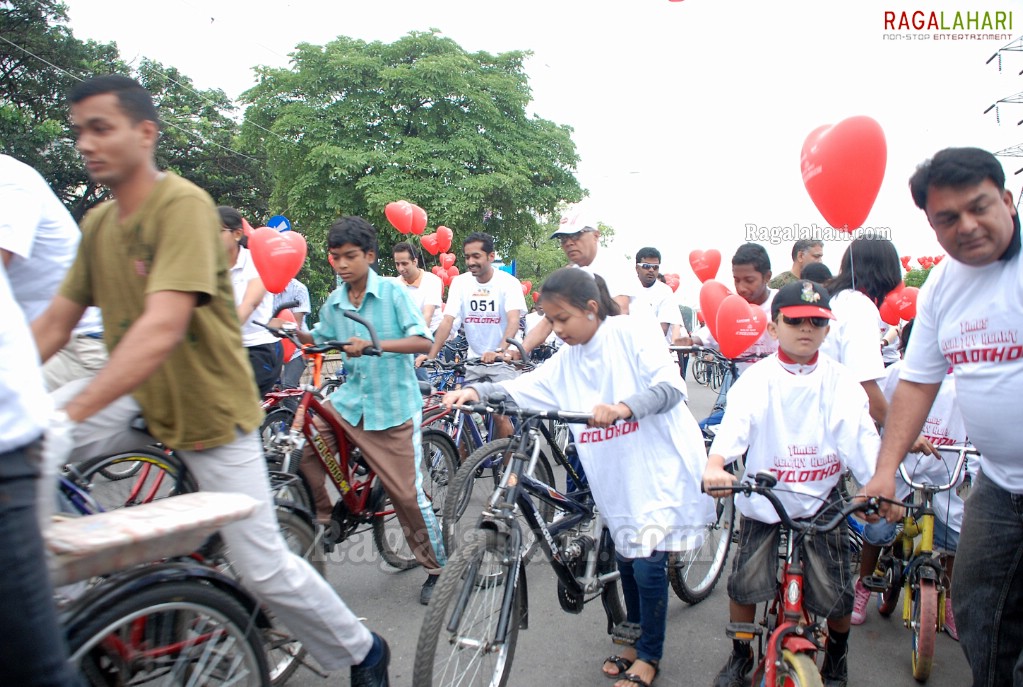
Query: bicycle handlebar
964, 452
694, 348
499, 404
312, 349
765, 483
287, 305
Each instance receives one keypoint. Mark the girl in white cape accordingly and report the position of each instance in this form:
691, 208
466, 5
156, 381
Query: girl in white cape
643, 453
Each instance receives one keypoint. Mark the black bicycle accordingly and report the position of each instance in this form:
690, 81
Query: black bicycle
481, 602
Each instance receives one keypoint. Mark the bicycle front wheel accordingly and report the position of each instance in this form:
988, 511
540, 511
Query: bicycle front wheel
695, 572
174, 633
457, 642
474, 483
152, 474
276, 423
797, 670
925, 628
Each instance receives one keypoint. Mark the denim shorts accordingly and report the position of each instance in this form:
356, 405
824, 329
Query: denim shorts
827, 568
882, 533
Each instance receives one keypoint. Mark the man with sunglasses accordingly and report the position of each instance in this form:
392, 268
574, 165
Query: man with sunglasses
805, 418
657, 294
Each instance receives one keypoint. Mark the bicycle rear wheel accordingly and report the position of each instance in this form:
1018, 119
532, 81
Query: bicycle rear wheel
694, 573
925, 628
277, 422
157, 474
470, 491
172, 633
458, 647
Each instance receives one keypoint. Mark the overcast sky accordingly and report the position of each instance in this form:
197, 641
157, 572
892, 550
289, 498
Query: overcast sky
689, 117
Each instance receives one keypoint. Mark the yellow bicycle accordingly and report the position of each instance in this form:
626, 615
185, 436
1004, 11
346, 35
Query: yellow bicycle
910, 563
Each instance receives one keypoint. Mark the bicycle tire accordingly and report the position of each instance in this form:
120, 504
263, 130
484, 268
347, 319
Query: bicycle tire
700, 371
797, 670
159, 474
694, 573
471, 490
437, 466
888, 600
276, 421
480, 565
193, 623
925, 628
125, 470
285, 654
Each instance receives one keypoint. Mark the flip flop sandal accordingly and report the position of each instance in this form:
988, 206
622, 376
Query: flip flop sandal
622, 664
636, 680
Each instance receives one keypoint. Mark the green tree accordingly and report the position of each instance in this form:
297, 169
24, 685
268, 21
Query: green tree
916, 277
41, 60
353, 126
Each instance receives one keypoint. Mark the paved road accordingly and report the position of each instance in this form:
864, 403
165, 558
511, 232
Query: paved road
563, 649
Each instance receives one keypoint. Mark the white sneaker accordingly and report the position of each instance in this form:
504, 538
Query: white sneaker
861, 597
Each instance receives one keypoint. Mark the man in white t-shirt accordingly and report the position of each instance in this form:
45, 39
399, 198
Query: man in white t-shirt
38, 243
424, 287
489, 302
970, 316
659, 297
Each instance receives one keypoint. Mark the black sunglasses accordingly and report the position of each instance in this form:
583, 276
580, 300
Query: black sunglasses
649, 265
798, 321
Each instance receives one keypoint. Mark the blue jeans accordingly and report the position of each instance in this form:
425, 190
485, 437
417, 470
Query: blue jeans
32, 652
987, 587
645, 587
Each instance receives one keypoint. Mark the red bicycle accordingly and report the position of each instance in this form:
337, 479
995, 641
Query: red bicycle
788, 656
362, 502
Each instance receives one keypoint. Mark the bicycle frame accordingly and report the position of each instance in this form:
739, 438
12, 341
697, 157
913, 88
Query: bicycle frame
794, 630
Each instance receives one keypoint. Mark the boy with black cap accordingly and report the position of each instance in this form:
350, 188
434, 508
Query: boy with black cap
805, 418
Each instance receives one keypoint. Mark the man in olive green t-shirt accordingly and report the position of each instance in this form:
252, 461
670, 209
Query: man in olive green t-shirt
152, 259
804, 251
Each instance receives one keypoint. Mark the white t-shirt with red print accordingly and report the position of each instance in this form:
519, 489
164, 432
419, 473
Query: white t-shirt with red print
854, 338
972, 319
483, 308
645, 474
943, 427
806, 428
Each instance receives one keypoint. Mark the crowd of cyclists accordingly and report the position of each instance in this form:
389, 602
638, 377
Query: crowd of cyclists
179, 301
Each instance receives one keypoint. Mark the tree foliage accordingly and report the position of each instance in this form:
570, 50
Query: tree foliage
352, 126
916, 277
40, 60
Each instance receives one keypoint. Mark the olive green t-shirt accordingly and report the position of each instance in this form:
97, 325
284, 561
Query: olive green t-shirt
205, 391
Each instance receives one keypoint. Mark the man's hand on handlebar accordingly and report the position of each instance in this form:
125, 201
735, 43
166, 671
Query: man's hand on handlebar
606, 414
924, 446
714, 477
493, 356
883, 486
355, 347
422, 358
683, 341
460, 396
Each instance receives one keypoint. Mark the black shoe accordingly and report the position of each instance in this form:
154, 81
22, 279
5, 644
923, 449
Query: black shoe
736, 671
835, 671
427, 591
376, 674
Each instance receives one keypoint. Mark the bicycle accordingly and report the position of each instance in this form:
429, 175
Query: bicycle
910, 564
788, 636
174, 621
481, 601
362, 500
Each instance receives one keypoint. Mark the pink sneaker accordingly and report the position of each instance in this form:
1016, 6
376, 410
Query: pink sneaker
861, 597
950, 621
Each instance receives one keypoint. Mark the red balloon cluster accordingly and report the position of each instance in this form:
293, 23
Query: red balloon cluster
437, 242
705, 264
734, 323
899, 304
446, 274
842, 167
406, 217
278, 256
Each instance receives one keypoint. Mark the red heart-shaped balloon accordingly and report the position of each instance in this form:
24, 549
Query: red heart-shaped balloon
438, 270
905, 261
399, 214
418, 223
447, 260
843, 166
430, 243
938, 258
673, 281
536, 296
889, 313
277, 256
705, 264
711, 295
902, 301
444, 238
739, 326
526, 286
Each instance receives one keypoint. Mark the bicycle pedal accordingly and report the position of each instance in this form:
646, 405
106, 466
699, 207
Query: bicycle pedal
626, 633
875, 583
743, 631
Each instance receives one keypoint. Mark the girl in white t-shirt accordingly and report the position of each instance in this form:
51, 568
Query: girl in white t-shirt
645, 482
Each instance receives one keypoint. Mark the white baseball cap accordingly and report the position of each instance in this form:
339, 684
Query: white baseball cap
575, 221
